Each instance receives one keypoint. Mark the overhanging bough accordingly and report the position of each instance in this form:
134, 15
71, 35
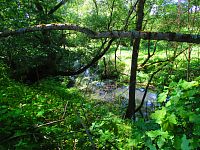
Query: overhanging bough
167, 36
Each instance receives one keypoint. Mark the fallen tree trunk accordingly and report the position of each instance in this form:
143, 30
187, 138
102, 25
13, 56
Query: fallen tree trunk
168, 36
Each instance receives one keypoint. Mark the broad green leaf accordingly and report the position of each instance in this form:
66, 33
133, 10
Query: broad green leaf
156, 133
150, 145
160, 142
172, 119
153, 134
166, 126
162, 97
194, 118
186, 85
159, 115
185, 143
177, 142
132, 142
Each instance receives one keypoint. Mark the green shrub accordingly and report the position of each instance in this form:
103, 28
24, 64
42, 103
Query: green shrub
110, 71
47, 115
179, 119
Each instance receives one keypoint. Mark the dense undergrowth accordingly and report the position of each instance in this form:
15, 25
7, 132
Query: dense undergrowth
47, 115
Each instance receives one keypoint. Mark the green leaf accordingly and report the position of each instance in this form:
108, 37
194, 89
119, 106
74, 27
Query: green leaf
153, 134
196, 130
160, 142
186, 85
194, 118
172, 119
40, 113
150, 145
162, 97
19, 133
185, 143
177, 142
132, 142
156, 133
159, 115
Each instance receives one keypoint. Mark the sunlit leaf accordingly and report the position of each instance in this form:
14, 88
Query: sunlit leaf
161, 142
186, 85
172, 119
162, 97
154, 134
40, 113
159, 115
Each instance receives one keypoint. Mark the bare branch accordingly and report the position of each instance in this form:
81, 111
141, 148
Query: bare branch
113, 145
130, 12
65, 110
146, 89
111, 15
152, 75
49, 123
93, 61
57, 7
87, 131
168, 36
39, 6
47, 27
96, 6
162, 61
149, 54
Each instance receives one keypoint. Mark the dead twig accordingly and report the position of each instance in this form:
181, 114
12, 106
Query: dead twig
49, 123
65, 110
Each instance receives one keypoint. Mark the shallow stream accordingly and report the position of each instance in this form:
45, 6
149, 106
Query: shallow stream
109, 91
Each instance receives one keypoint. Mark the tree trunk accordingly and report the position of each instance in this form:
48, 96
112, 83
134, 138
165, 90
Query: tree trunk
188, 63
136, 44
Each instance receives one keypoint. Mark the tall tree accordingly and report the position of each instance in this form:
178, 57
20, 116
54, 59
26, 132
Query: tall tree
136, 45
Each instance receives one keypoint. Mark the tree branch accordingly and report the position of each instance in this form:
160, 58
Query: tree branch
57, 7
146, 89
49, 123
96, 6
111, 15
152, 75
130, 12
162, 61
149, 54
48, 27
167, 36
94, 60
39, 6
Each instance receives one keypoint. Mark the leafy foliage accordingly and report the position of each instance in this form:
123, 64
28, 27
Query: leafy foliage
48, 115
179, 119
109, 70
35, 117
